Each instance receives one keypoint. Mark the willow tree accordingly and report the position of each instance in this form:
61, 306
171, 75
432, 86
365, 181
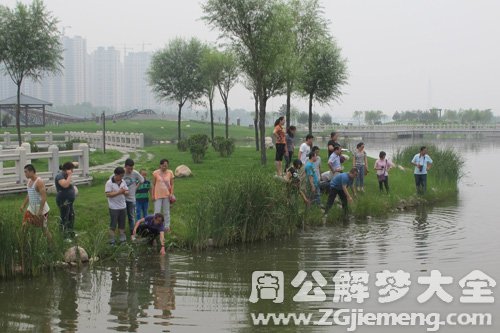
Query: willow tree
30, 46
175, 73
260, 32
324, 73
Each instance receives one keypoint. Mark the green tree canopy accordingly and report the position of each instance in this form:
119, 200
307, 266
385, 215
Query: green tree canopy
175, 73
30, 45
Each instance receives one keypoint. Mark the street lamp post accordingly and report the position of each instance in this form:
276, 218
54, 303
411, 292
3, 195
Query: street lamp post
103, 132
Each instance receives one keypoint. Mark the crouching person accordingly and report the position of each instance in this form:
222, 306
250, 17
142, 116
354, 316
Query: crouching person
150, 227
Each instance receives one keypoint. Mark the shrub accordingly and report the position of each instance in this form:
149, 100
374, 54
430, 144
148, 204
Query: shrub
198, 145
201, 139
182, 145
69, 145
224, 146
34, 146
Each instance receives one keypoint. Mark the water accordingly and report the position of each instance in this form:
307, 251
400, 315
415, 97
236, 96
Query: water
209, 291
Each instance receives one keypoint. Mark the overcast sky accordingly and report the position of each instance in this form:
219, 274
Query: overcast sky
402, 55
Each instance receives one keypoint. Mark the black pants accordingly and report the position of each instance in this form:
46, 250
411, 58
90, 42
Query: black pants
385, 183
144, 231
331, 199
288, 160
67, 214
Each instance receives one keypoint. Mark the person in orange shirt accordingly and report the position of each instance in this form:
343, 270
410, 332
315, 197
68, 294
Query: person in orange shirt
163, 191
280, 140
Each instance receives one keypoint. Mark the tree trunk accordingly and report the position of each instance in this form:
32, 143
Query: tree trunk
179, 123
18, 113
262, 128
227, 119
288, 104
256, 122
310, 113
210, 103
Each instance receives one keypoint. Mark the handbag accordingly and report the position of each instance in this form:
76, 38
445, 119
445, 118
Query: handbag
381, 177
172, 199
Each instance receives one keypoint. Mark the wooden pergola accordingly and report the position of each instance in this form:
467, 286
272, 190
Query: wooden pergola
27, 103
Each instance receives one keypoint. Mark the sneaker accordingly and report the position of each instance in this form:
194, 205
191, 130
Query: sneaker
123, 238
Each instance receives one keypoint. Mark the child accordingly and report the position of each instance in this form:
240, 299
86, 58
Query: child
142, 196
382, 165
293, 177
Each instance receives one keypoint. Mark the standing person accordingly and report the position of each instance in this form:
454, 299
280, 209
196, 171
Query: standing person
422, 163
360, 162
116, 189
292, 176
339, 186
305, 149
312, 181
280, 140
37, 212
142, 195
132, 178
151, 226
290, 145
382, 165
334, 164
334, 142
163, 189
65, 198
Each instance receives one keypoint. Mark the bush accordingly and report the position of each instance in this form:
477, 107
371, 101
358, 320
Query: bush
198, 145
224, 146
69, 145
243, 209
34, 146
182, 145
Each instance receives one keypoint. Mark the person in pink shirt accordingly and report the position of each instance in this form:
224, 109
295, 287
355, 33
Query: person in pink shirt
382, 166
163, 190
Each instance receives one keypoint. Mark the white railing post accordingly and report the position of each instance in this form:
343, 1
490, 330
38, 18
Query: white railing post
141, 140
54, 160
27, 147
83, 159
20, 163
1, 162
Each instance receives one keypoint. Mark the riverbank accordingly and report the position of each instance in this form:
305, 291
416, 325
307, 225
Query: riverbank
217, 183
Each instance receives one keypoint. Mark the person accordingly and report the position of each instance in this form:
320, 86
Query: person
151, 226
142, 195
422, 163
37, 211
65, 198
281, 148
312, 181
334, 164
305, 149
292, 176
163, 190
339, 186
290, 145
382, 165
116, 189
332, 143
132, 178
360, 162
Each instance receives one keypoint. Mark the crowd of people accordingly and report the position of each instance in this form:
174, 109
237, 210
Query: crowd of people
127, 191
341, 179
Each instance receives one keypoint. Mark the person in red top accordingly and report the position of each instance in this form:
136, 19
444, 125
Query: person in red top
280, 140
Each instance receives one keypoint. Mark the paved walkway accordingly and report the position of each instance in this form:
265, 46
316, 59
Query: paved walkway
121, 161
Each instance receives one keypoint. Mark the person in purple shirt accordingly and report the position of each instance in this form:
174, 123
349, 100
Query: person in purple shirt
150, 227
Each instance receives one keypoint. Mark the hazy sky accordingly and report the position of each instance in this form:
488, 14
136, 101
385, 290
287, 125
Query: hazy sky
402, 54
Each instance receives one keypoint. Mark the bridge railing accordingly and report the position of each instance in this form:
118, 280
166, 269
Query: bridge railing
20, 156
95, 140
407, 127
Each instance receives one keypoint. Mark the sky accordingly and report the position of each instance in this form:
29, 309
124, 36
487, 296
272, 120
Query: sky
401, 54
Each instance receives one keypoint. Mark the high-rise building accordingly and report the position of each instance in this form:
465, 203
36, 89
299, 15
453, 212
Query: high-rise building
105, 78
75, 76
137, 92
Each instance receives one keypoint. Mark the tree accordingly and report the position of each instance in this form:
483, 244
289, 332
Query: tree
211, 68
30, 46
227, 80
373, 117
303, 118
260, 32
358, 115
326, 119
175, 73
324, 72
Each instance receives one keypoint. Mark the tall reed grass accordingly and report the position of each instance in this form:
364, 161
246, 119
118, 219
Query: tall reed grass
253, 206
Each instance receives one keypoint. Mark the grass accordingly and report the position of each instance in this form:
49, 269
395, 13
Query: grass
228, 200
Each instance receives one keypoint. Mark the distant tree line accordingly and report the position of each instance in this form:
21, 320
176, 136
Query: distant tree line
466, 116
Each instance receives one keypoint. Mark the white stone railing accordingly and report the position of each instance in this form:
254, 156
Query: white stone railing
95, 140
22, 155
407, 127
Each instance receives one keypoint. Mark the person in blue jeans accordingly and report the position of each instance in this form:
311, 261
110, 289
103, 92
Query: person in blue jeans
422, 163
142, 195
339, 186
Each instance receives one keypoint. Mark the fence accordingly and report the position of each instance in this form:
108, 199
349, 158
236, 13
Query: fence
12, 178
95, 140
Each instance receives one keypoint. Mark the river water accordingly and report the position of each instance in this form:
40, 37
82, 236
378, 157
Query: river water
210, 291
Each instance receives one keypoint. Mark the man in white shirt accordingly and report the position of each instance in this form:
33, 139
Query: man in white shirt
305, 149
116, 189
422, 163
